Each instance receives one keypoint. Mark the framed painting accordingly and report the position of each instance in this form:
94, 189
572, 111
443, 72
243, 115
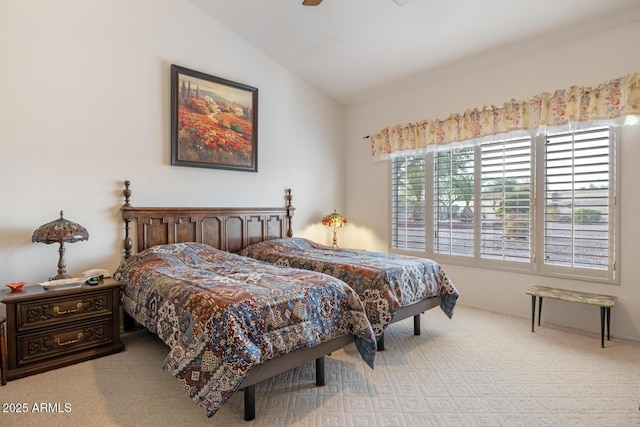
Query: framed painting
214, 122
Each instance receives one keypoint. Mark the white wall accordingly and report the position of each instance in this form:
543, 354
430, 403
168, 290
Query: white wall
85, 105
588, 61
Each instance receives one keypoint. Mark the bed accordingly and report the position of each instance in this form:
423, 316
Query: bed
392, 287
228, 320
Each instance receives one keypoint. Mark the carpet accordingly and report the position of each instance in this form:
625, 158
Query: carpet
477, 369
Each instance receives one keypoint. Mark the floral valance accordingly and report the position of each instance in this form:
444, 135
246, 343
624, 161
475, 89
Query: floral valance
614, 100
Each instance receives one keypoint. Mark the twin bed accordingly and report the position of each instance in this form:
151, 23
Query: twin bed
225, 290
391, 287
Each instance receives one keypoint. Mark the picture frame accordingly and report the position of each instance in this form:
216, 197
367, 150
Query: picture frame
214, 122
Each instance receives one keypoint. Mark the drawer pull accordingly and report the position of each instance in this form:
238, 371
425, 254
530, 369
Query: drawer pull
62, 344
58, 312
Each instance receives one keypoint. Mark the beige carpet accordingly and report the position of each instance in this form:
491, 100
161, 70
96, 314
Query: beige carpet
477, 369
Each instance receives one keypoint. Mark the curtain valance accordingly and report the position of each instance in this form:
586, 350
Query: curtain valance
614, 101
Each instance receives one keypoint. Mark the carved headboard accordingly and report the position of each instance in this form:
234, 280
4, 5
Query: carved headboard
229, 229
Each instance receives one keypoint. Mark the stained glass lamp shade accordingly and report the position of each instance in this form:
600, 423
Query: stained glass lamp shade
335, 221
60, 231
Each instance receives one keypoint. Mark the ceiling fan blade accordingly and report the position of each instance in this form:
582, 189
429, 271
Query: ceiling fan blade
311, 2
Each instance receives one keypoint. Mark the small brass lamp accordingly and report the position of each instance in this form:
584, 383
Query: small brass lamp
60, 231
334, 220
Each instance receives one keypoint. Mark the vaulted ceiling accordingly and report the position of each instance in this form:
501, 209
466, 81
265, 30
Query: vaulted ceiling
353, 49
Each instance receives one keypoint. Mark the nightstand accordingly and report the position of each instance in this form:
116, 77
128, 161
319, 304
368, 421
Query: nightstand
48, 329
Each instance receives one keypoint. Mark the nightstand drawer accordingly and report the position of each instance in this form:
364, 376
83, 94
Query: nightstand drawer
59, 341
36, 314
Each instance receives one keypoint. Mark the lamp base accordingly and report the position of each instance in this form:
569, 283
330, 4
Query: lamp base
62, 265
60, 276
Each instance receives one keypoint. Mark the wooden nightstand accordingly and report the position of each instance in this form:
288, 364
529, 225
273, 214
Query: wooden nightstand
48, 329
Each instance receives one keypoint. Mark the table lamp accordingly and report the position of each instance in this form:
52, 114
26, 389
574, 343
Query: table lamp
60, 231
334, 220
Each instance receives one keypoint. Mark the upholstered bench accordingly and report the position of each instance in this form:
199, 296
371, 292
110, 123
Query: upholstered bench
604, 301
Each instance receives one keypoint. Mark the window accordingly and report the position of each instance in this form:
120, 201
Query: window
543, 204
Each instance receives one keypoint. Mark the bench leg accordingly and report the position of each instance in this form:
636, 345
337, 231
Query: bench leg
539, 309
416, 324
603, 311
533, 312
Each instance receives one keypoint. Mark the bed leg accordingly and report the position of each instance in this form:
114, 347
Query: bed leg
250, 403
320, 371
416, 324
381, 342
128, 324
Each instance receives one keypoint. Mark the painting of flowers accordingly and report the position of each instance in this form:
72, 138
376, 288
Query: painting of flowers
213, 122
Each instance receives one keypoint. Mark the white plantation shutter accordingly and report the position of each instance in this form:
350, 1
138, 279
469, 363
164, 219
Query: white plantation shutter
408, 203
578, 200
453, 202
505, 188
543, 204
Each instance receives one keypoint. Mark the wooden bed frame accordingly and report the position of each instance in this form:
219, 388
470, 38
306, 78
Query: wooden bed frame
232, 229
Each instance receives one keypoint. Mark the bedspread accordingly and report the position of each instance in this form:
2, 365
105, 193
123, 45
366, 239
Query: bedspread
221, 314
385, 282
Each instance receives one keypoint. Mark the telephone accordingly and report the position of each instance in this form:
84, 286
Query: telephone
96, 272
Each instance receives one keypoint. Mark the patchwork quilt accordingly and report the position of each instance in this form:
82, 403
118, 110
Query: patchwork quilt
222, 314
385, 282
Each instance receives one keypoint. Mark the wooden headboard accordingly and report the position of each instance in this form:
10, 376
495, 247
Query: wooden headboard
228, 229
